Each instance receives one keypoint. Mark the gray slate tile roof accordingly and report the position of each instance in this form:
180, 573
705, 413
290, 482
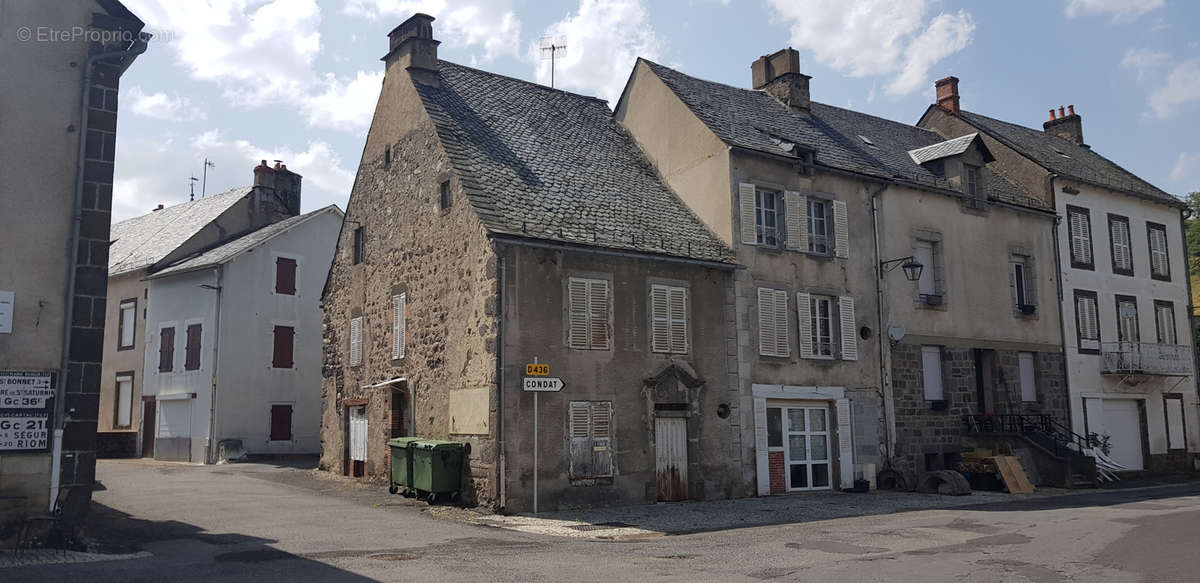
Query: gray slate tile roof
548, 164
1066, 158
939, 150
754, 120
142, 241
228, 251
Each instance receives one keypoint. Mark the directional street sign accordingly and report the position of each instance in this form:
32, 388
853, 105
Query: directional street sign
543, 384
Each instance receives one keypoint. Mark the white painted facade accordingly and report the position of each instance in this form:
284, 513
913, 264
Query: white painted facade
237, 347
1123, 404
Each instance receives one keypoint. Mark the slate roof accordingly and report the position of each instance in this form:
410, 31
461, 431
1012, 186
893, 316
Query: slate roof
1067, 158
754, 120
940, 150
547, 164
232, 249
142, 241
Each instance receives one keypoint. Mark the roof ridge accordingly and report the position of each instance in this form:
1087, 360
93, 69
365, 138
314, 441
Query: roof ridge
525, 82
186, 202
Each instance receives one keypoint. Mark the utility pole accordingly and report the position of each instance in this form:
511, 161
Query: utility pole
550, 48
204, 182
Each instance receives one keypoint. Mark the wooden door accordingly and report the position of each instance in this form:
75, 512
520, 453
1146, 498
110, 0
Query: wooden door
149, 427
670, 448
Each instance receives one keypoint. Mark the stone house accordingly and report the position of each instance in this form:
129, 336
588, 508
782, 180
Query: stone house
1124, 289
496, 223
56, 175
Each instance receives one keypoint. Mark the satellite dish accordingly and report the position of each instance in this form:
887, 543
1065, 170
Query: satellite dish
896, 332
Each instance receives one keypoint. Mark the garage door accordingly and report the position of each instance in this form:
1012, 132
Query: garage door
1123, 423
174, 441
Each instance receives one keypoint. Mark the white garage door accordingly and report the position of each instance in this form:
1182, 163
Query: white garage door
1122, 422
174, 418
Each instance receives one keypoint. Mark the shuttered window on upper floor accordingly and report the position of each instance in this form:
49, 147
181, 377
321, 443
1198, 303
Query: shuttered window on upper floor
399, 324
1160, 265
356, 348
668, 319
773, 323
284, 346
285, 276
191, 360
1079, 229
588, 314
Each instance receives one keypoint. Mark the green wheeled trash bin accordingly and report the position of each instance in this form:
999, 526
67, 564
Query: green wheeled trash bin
437, 468
402, 462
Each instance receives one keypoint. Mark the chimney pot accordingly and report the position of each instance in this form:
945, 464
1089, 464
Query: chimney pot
1052, 118
1068, 125
947, 94
778, 74
1061, 112
1070, 110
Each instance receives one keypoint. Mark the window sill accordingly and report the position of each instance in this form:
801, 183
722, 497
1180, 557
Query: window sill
1157, 277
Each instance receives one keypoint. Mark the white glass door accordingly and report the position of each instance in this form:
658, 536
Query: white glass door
807, 448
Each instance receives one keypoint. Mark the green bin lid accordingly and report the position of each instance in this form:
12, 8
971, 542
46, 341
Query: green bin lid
402, 441
437, 444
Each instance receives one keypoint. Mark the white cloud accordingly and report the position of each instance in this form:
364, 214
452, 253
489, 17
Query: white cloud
604, 39
491, 25
161, 106
1182, 87
876, 37
344, 104
1187, 168
1143, 61
1118, 9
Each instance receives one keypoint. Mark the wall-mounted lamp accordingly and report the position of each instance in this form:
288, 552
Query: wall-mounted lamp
912, 268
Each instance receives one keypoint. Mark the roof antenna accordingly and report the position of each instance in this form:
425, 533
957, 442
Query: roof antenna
192, 184
204, 182
551, 46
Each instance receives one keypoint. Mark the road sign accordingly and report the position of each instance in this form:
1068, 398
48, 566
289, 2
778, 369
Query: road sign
543, 384
537, 370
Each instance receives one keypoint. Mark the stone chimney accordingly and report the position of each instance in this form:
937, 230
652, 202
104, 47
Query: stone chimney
281, 184
947, 94
1068, 125
412, 46
779, 75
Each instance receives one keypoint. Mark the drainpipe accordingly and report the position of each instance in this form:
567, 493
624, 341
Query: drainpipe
889, 406
134, 49
1183, 216
219, 276
500, 378
1062, 312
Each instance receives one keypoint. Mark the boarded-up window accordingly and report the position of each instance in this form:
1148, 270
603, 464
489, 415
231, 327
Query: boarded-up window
668, 319
588, 314
1028, 377
191, 359
773, 323
281, 422
399, 324
931, 369
166, 350
356, 341
284, 339
127, 324
124, 409
591, 434
285, 276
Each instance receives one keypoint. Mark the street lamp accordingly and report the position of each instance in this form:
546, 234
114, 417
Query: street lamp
912, 268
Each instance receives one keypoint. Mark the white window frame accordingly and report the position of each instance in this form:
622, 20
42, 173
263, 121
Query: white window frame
1028, 375
127, 329
819, 221
823, 346
761, 212
399, 324
126, 400
668, 319
931, 373
588, 314
356, 341
927, 283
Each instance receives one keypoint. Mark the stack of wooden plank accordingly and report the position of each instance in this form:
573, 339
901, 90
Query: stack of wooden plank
1007, 467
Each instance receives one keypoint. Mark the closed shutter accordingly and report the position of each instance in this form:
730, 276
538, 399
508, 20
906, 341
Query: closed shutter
598, 336
281, 422
356, 341
804, 319
602, 436
746, 205
845, 443
1081, 237
284, 338
660, 324
1122, 255
399, 325
766, 322
1158, 252
1166, 324
781, 324
285, 276
795, 209
166, 350
841, 230
191, 359
849, 328
677, 316
579, 419
1087, 319
587, 314
577, 316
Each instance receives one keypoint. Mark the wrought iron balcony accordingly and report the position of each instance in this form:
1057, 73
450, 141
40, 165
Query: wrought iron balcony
1146, 358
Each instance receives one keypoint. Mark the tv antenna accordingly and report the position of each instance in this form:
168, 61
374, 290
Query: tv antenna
551, 46
204, 181
192, 185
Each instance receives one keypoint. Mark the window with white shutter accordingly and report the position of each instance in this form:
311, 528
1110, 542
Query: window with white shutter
399, 324
1087, 321
841, 230
1160, 265
588, 314
1164, 321
766, 217
590, 426
931, 369
796, 220
356, 352
773, 323
1028, 378
746, 210
1121, 247
816, 335
668, 319
849, 328
1079, 228
1127, 319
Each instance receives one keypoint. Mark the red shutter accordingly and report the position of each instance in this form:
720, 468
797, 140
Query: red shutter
285, 276
192, 355
284, 336
166, 350
281, 422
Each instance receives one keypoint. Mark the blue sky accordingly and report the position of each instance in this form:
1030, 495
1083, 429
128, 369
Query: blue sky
237, 81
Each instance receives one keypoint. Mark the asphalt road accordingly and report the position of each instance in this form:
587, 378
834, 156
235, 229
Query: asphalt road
258, 522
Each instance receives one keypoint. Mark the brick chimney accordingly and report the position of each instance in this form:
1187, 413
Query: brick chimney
412, 46
947, 94
779, 75
1068, 125
282, 186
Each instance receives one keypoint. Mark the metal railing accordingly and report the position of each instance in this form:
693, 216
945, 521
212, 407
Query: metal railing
1145, 358
1045, 430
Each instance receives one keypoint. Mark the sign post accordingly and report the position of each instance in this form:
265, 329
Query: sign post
536, 382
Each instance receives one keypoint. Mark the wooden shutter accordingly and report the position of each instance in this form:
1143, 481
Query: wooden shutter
1088, 322
1158, 252
602, 436
849, 328
1165, 315
281, 422
579, 419
782, 344
660, 323
1119, 233
841, 230
598, 336
399, 325
1081, 237
356, 341
804, 318
746, 204
285, 276
845, 443
166, 350
284, 337
577, 313
191, 359
678, 319
795, 217
766, 322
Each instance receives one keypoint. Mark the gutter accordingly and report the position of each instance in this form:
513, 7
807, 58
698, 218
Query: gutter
502, 478
1191, 305
1062, 312
524, 242
889, 406
135, 48
219, 274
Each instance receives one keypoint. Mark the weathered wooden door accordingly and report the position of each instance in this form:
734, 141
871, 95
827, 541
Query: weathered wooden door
149, 427
670, 447
358, 433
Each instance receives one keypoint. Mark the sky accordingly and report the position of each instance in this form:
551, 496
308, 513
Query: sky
238, 81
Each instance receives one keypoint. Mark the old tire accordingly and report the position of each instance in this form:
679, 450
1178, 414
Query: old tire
393, 489
948, 482
889, 479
